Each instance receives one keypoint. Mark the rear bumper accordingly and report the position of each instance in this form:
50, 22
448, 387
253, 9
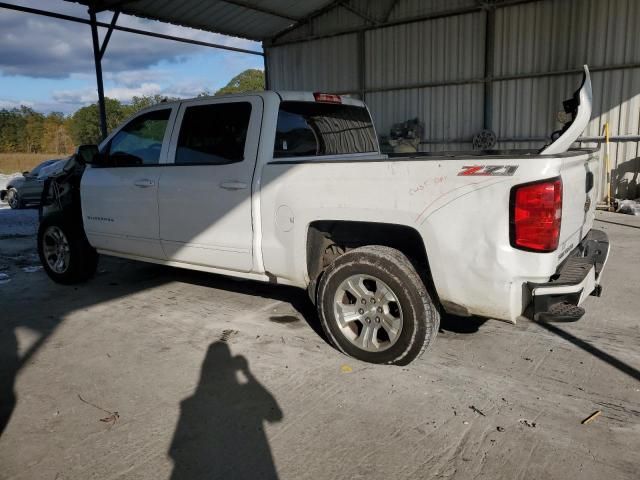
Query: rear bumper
577, 277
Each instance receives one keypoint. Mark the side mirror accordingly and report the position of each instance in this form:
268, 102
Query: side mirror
87, 154
25, 173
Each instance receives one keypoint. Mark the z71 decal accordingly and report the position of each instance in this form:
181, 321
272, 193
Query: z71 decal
488, 170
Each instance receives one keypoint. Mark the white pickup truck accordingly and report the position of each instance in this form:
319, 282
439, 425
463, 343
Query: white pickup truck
291, 188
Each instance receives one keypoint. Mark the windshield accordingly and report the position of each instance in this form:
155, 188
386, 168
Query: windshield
37, 169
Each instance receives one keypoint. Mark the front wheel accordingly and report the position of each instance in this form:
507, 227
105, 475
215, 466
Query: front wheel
65, 252
13, 199
373, 306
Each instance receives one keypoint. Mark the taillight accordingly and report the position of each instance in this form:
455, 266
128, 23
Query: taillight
536, 214
327, 97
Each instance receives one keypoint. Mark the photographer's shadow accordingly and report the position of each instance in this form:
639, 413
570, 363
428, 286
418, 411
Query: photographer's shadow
220, 432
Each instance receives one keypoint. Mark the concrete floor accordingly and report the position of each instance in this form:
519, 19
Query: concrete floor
218, 378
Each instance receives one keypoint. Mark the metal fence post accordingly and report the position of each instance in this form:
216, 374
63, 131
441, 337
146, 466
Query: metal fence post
98, 64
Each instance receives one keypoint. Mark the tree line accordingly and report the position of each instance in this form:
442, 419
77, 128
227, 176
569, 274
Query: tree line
23, 130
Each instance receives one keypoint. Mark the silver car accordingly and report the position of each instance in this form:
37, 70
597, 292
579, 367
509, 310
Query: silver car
26, 190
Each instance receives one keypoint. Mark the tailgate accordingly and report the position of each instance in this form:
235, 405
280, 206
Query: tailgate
579, 198
578, 172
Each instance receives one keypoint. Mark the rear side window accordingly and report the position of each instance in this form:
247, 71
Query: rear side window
139, 142
213, 134
310, 129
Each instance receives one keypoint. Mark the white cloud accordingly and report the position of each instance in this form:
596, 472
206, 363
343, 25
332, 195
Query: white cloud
48, 48
187, 89
125, 94
9, 104
132, 78
75, 97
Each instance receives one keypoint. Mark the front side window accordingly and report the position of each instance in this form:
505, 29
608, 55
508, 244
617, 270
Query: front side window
310, 129
139, 142
213, 134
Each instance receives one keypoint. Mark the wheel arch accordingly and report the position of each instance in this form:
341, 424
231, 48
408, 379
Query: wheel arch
328, 239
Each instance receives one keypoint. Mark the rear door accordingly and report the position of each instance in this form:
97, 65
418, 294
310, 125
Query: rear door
120, 197
205, 196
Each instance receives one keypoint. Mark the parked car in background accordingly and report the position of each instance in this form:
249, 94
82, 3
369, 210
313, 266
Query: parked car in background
26, 190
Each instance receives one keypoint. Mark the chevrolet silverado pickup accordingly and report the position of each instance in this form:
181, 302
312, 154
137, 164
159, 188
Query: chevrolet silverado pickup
291, 188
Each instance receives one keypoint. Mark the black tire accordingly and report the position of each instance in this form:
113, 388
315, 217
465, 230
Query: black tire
13, 199
419, 315
83, 258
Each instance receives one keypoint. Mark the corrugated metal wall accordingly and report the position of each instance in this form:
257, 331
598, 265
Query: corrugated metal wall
433, 52
328, 64
435, 68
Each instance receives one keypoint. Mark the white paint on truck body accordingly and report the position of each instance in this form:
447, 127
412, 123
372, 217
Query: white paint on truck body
463, 220
261, 233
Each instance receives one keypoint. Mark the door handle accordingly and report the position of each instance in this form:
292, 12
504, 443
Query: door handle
144, 183
233, 185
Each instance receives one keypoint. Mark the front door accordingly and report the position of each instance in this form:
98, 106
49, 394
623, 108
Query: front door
204, 198
120, 195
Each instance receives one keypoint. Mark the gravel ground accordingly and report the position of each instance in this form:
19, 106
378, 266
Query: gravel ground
147, 372
16, 223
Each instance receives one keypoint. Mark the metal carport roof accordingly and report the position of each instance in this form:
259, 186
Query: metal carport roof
260, 20
252, 19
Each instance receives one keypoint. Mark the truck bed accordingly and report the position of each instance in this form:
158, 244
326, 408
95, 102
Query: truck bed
484, 154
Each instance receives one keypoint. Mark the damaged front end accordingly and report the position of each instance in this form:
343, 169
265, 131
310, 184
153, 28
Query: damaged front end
61, 192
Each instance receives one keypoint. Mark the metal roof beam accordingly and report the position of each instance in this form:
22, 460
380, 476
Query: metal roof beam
258, 8
71, 18
329, 6
272, 42
101, 6
359, 13
107, 36
390, 10
97, 58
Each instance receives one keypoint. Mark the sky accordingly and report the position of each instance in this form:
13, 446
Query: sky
47, 64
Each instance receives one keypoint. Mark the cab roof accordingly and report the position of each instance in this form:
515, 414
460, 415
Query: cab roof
283, 95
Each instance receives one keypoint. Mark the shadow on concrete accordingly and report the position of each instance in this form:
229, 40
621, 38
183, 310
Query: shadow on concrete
595, 351
220, 433
59, 300
297, 297
8, 371
456, 324
123, 278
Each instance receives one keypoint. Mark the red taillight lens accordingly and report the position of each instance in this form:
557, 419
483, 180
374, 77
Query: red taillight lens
327, 97
536, 214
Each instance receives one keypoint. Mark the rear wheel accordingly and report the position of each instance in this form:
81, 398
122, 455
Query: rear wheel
65, 252
13, 199
373, 306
